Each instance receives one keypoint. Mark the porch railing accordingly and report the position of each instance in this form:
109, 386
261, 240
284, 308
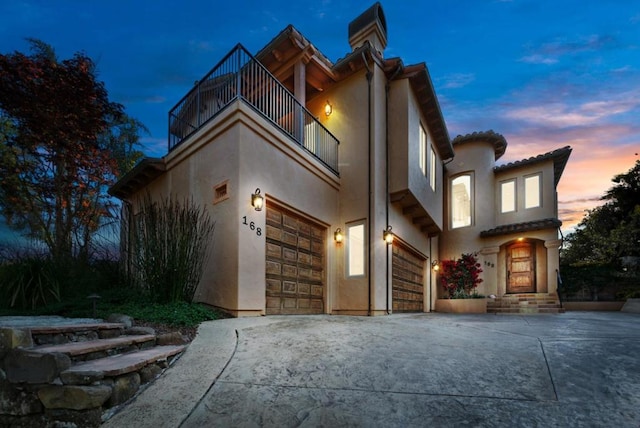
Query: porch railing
240, 76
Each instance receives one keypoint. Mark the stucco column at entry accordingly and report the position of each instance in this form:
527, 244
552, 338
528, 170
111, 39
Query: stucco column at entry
490, 270
553, 264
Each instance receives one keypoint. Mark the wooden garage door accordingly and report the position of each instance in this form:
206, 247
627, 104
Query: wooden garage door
295, 264
408, 277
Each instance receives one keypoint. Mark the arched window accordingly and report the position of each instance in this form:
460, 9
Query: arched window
461, 201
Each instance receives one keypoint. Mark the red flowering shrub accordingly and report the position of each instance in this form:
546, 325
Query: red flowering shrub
459, 278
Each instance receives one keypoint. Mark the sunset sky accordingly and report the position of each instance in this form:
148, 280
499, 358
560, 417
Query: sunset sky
543, 73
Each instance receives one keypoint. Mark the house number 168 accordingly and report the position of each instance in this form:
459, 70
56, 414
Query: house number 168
252, 226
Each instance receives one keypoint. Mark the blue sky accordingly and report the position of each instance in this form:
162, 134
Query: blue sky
544, 73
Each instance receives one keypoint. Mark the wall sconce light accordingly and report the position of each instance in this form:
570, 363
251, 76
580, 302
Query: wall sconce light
387, 235
435, 266
257, 201
328, 109
338, 236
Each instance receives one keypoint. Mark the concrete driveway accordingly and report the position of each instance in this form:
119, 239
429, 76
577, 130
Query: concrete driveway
575, 369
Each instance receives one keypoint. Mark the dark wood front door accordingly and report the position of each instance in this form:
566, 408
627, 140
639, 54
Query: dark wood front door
521, 267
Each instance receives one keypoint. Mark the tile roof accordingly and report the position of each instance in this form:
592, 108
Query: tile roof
498, 141
559, 157
547, 223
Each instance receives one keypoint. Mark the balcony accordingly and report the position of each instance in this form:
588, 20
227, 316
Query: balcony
240, 76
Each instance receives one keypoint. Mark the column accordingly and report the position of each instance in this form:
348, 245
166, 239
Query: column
553, 264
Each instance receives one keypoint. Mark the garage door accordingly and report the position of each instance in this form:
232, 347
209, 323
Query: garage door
408, 277
295, 264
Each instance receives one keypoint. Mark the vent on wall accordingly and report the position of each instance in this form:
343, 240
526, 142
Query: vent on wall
221, 192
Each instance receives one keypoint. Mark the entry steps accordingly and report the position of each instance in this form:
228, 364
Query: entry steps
527, 303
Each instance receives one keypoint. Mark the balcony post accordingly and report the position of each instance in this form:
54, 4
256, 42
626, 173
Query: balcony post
300, 94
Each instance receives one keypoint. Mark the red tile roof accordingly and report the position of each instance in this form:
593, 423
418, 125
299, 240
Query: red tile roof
547, 223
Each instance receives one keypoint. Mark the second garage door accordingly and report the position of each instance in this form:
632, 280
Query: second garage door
295, 264
408, 280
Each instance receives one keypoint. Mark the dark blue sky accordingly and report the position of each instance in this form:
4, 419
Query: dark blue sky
544, 73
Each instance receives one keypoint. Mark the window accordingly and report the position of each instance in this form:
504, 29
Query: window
422, 151
461, 201
508, 196
532, 191
432, 169
355, 249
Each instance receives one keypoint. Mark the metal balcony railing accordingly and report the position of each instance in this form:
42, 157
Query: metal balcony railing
240, 76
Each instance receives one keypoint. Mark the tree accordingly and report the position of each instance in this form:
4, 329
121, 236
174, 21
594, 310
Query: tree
62, 144
611, 231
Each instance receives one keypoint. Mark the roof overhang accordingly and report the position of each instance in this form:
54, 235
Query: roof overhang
559, 158
515, 228
497, 140
422, 86
145, 171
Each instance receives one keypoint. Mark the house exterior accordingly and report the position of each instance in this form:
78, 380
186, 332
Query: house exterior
341, 154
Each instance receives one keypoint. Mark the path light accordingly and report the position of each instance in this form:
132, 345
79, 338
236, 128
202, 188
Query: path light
338, 236
257, 201
387, 235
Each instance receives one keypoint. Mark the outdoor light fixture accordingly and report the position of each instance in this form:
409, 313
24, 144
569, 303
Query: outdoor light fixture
387, 235
328, 109
338, 236
435, 266
257, 201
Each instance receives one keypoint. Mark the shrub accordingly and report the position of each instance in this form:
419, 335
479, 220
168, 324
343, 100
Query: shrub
170, 247
460, 277
29, 282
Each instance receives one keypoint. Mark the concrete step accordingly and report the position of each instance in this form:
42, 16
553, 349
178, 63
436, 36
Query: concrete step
100, 348
120, 364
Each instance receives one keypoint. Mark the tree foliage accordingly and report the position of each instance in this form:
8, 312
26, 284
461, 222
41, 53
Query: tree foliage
611, 232
62, 144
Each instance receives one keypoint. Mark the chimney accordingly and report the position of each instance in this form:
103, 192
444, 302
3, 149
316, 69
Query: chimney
370, 26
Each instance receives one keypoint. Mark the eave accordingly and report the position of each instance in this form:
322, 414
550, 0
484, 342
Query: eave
497, 140
147, 170
529, 226
559, 157
422, 86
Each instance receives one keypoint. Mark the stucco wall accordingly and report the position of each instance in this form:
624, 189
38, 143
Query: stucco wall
548, 207
479, 160
244, 150
405, 120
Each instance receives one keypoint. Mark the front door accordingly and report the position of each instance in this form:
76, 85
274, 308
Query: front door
521, 266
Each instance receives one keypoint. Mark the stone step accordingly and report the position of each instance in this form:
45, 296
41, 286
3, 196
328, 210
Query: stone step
100, 348
116, 365
58, 334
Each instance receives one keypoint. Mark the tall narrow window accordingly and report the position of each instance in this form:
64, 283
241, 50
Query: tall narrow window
532, 191
355, 249
461, 193
422, 151
432, 169
508, 196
